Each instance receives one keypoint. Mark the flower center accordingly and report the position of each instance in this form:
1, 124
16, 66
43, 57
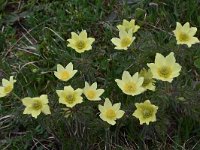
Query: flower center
64, 75
80, 44
183, 37
37, 105
165, 72
8, 89
91, 94
70, 98
110, 113
130, 87
147, 112
125, 42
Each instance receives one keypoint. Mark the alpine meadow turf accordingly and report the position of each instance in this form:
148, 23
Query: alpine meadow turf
100, 74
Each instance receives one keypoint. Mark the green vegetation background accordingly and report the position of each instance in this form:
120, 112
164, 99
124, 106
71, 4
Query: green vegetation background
33, 40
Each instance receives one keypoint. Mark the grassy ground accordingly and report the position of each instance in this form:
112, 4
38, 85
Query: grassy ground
33, 41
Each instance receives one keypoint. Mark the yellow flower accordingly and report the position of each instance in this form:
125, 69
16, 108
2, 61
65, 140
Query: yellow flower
66, 73
185, 34
7, 86
36, 105
131, 85
148, 83
81, 42
124, 41
165, 68
69, 96
129, 25
91, 92
110, 113
145, 112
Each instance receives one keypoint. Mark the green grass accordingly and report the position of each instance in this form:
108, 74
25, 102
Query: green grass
33, 41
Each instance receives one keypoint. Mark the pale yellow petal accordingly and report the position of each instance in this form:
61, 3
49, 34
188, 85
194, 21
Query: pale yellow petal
176, 68
120, 113
46, 110
140, 81
35, 113
27, 110
100, 92
101, 108
86, 85
2, 93
125, 22
90, 40
74, 36
159, 59
135, 77
136, 28
170, 59
120, 27
60, 67
126, 77
186, 27
83, 35
193, 40
122, 34
107, 103
116, 106
44, 99
5, 82
27, 101
116, 41
73, 73
79, 91
69, 67
94, 85
192, 31
112, 122
120, 83
68, 89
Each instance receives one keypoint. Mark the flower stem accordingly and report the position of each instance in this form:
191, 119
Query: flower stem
107, 138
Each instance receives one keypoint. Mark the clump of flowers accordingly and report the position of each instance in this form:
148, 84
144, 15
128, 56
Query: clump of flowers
148, 83
36, 105
185, 34
131, 85
91, 92
69, 96
80, 43
7, 86
124, 41
128, 25
66, 73
110, 113
165, 68
145, 112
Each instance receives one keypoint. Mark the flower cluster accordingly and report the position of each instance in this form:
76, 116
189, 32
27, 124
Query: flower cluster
164, 68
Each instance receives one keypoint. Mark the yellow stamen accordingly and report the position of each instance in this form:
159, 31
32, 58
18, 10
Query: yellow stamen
125, 42
147, 112
70, 99
91, 94
37, 105
110, 113
80, 44
64, 75
164, 72
130, 87
183, 37
8, 89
